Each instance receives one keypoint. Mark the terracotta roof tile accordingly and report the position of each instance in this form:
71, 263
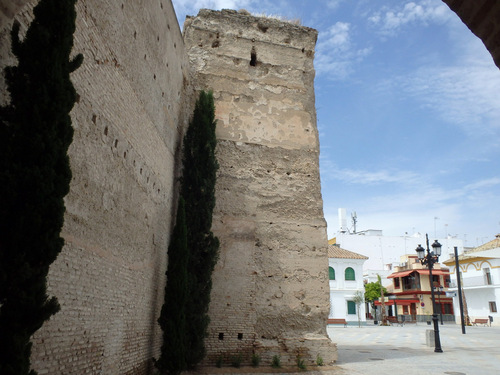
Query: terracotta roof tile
335, 251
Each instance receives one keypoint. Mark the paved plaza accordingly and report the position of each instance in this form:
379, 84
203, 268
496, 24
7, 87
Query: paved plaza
403, 350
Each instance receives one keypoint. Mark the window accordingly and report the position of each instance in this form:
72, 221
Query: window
331, 273
487, 276
396, 283
351, 307
349, 274
493, 306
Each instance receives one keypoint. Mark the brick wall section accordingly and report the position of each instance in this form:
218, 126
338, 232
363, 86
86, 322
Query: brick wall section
482, 17
270, 287
133, 107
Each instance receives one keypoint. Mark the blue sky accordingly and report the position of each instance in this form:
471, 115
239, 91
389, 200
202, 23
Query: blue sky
408, 114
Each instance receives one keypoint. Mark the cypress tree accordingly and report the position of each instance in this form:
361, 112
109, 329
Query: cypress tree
198, 189
173, 313
35, 133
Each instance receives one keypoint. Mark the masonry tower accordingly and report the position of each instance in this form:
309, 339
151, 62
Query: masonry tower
270, 290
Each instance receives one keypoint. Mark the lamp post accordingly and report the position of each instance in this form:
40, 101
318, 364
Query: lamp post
439, 303
429, 259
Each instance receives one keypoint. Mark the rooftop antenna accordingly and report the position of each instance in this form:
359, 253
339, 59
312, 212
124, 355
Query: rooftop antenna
354, 218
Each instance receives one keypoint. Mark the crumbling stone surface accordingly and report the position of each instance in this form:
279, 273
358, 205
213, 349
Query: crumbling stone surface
270, 293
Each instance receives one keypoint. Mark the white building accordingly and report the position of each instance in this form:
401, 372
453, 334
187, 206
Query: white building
480, 270
384, 252
346, 277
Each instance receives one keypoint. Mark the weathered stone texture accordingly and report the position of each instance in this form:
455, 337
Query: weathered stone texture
482, 17
134, 103
270, 292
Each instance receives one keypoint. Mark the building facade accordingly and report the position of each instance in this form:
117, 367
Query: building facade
480, 282
411, 288
345, 271
384, 252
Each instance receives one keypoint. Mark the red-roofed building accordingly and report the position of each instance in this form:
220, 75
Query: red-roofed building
411, 289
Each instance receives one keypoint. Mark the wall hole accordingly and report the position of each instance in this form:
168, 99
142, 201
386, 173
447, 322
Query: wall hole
106, 130
140, 172
116, 142
94, 118
125, 155
253, 57
240, 336
221, 336
135, 34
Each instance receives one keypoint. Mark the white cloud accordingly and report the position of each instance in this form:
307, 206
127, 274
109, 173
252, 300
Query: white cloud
333, 4
487, 183
465, 95
335, 53
389, 21
366, 177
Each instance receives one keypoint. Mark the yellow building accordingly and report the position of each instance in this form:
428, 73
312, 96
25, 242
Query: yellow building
411, 291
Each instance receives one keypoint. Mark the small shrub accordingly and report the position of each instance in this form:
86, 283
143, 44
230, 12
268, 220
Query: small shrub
319, 360
276, 363
300, 363
255, 360
218, 363
236, 360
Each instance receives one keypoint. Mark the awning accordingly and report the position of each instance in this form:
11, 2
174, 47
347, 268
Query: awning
399, 302
434, 272
400, 274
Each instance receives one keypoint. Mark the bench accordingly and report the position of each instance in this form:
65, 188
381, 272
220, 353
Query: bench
480, 321
393, 320
337, 321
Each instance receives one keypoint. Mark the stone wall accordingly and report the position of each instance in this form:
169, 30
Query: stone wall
270, 290
270, 286
134, 102
482, 17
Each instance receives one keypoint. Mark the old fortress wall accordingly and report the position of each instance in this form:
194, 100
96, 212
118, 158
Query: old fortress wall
134, 104
136, 93
270, 286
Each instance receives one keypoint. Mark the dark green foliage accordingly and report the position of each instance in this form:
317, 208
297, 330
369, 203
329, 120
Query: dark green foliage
236, 360
276, 361
35, 133
173, 313
255, 360
198, 189
372, 291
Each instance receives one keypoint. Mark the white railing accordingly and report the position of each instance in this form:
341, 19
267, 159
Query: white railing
468, 282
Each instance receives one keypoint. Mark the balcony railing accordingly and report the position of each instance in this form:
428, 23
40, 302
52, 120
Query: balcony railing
468, 282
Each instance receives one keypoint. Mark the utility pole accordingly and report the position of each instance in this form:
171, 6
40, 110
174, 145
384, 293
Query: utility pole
461, 296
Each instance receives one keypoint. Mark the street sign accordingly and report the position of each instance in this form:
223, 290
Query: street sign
451, 294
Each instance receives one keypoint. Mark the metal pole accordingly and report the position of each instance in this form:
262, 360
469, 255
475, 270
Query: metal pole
459, 285
437, 341
440, 306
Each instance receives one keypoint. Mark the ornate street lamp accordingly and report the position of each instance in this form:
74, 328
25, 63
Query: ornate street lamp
429, 260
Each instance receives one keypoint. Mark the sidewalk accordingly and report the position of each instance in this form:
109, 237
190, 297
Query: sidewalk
381, 350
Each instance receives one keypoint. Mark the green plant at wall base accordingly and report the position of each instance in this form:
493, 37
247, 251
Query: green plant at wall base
319, 360
35, 175
236, 360
276, 362
300, 363
173, 313
218, 363
255, 360
198, 189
